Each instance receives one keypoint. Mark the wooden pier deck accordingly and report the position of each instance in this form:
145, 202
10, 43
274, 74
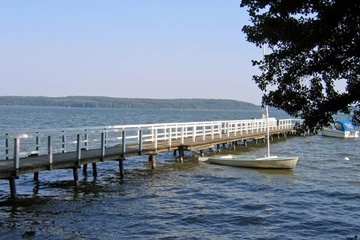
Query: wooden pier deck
71, 148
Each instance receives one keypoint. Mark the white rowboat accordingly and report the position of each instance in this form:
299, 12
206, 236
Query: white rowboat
272, 162
269, 162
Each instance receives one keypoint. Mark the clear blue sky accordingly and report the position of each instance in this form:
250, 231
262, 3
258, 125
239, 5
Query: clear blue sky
127, 48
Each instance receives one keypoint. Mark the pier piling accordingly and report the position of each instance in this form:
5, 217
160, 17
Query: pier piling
152, 160
36, 176
94, 168
121, 168
12, 187
76, 176
85, 170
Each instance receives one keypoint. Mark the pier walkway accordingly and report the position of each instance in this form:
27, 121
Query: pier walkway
75, 147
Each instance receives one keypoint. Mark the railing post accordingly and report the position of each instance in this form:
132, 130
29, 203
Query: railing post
176, 131
86, 139
63, 141
140, 141
16, 154
152, 133
155, 138
204, 133
102, 144
37, 142
212, 131
220, 130
170, 136
50, 152
123, 142
7, 146
194, 133
78, 146
182, 135
105, 136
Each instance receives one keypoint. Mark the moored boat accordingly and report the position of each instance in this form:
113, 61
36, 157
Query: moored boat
272, 162
341, 129
269, 162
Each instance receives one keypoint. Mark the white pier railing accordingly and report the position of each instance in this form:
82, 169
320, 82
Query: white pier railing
45, 142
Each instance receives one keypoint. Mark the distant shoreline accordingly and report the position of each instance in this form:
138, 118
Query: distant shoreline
133, 103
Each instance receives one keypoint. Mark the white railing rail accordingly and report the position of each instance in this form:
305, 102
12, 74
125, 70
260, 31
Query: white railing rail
49, 142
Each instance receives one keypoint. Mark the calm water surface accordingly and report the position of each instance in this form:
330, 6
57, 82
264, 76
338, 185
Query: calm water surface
192, 200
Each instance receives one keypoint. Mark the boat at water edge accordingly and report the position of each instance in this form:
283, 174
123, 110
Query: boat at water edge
341, 129
268, 162
272, 162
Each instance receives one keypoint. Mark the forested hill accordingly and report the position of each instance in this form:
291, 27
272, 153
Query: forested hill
108, 102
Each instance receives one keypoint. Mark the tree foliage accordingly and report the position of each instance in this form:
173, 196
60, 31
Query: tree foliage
314, 44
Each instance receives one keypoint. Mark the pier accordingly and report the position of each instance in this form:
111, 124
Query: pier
76, 148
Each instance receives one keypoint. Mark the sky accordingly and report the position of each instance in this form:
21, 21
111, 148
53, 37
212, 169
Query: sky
162, 49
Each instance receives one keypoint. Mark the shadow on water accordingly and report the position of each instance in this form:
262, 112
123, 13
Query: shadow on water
24, 202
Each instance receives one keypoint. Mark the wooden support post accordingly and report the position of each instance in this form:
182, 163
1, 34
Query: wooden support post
201, 153
174, 154
76, 176
85, 170
153, 161
36, 188
36, 176
94, 167
245, 143
218, 147
181, 154
12, 187
121, 168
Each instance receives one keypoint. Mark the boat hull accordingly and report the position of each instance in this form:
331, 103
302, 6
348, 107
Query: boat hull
341, 129
328, 132
266, 162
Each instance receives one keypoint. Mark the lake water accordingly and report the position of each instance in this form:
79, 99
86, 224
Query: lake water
319, 199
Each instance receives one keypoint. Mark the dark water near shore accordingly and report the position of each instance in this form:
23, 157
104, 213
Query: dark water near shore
192, 200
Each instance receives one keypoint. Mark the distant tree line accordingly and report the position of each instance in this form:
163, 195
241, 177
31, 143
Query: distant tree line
141, 103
